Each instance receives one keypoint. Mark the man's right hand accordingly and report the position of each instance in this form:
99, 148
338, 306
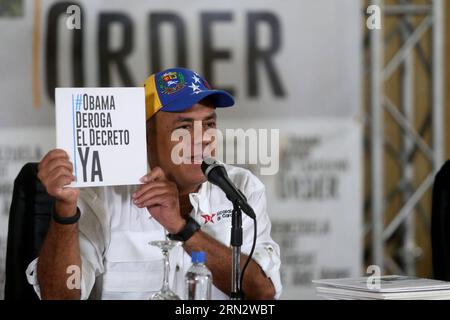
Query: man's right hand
55, 172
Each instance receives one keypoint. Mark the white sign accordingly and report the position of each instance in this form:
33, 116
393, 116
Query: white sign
103, 132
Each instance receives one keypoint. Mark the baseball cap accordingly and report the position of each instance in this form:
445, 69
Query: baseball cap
178, 89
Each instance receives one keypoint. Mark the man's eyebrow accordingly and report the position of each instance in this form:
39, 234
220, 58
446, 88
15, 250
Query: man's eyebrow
212, 116
187, 119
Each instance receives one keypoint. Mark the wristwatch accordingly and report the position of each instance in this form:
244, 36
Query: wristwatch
189, 229
65, 220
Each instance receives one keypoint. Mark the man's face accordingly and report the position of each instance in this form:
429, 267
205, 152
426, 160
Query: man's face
160, 144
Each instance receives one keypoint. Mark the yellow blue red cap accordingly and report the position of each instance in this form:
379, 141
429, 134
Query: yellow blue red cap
178, 89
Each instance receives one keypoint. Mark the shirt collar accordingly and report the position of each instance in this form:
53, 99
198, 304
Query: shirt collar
200, 199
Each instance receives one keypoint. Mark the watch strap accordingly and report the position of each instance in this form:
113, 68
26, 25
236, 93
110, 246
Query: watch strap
189, 229
65, 220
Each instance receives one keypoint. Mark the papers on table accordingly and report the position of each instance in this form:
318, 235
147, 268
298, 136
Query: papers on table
387, 288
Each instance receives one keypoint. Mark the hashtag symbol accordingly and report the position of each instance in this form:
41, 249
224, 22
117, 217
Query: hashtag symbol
78, 101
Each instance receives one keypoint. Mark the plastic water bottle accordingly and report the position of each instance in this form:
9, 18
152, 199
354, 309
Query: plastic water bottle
198, 279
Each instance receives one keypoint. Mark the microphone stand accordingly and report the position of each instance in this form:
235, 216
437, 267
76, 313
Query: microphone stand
236, 243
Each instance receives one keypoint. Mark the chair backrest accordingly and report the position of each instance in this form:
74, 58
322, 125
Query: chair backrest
29, 219
440, 224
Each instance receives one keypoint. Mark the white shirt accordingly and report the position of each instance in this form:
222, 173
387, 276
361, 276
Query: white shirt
118, 262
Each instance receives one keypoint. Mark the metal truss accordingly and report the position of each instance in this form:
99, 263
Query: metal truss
419, 135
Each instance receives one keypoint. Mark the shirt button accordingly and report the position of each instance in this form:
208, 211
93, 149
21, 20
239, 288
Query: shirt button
177, 268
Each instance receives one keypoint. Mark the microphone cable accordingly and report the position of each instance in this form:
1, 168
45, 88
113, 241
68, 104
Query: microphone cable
249, 257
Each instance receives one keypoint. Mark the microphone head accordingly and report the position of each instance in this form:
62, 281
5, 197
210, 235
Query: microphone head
206, 163
213, 170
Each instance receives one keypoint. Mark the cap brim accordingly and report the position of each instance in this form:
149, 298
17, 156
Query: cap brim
220, 99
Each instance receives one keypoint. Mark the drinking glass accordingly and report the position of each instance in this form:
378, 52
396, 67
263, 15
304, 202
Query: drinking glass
165, 293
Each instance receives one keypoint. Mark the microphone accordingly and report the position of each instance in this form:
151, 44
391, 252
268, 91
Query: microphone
216, 174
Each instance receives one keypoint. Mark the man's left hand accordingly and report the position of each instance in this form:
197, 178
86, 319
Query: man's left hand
160, 197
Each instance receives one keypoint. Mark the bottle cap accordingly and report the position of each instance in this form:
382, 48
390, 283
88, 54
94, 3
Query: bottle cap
198, 257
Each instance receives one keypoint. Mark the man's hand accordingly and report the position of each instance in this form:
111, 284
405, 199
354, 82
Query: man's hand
55, 172
160, 197
61, 246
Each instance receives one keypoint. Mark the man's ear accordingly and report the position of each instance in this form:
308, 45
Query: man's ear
150, 129
150, 151
151, 140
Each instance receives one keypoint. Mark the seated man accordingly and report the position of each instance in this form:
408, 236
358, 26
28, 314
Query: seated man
110, 242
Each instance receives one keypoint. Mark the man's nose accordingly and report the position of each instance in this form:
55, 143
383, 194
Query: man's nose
209, 135
203, 135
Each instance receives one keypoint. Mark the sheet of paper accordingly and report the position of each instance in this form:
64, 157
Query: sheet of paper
388, 284
103, 131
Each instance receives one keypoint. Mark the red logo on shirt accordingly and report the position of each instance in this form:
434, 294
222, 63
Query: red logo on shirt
208, 218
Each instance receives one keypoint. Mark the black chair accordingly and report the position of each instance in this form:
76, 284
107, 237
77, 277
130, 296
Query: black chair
440, 224
29, 219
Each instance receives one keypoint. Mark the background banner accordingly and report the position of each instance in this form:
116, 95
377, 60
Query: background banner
293, 65
315, 201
